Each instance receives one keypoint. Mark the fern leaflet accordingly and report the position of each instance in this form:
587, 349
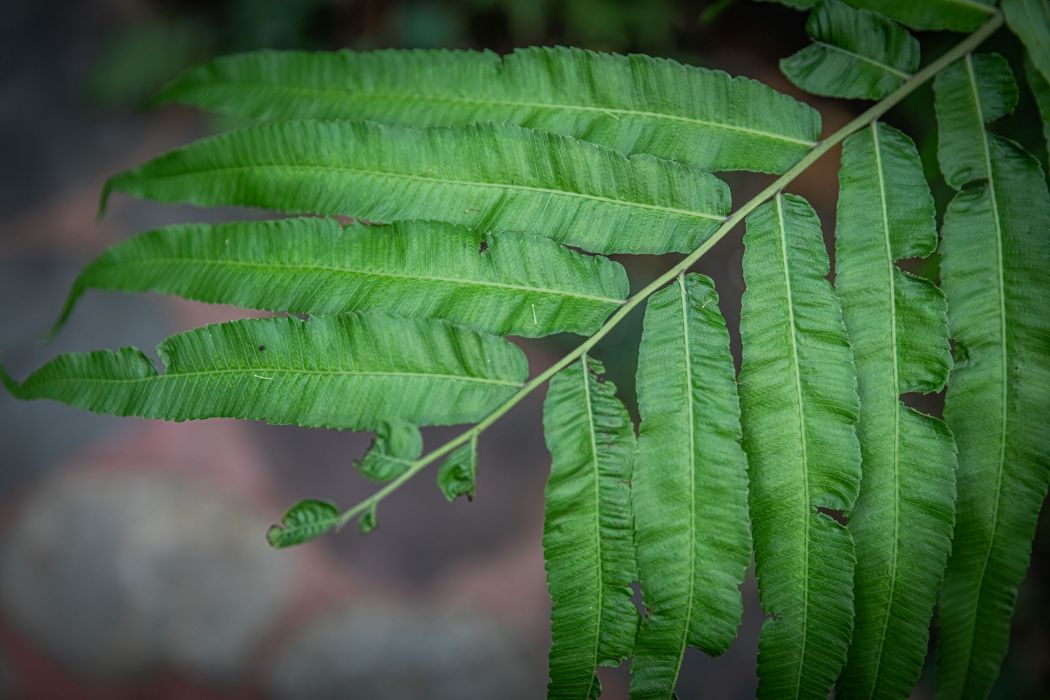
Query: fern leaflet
996, 277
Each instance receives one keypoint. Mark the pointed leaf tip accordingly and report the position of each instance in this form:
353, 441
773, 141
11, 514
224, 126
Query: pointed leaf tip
8, 381
306, 520
103, 198
67, 310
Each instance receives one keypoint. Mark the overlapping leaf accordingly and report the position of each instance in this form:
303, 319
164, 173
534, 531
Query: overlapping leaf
1040, 88
996, 270
1030, 20
855, 53
634, 104
352, 371
489, 177
396, 446
799, 401
587, 533
953, 15
504, 283
898, 327
690, 485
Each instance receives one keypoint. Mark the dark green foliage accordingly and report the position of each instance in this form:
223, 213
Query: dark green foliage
855, 53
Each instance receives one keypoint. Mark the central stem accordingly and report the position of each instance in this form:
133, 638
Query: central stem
961, 49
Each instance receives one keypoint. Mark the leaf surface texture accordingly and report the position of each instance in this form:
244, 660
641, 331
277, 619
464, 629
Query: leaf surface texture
952, 15
503, 283
898, 327
855, 53
587, 535
996, 271
634, 104
1030, 21
488, 177
352, 372
690, 485
799, 405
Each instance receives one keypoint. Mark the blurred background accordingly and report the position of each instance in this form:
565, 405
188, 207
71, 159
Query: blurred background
133, 562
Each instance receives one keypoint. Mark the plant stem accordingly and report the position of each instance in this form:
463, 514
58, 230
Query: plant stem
960, 50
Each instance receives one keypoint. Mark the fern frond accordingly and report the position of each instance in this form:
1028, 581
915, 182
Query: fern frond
504, 283
634, 104
352, 372
898, 327
996, 274
855, 53
488, 177
587, 536
799, 400
690, 485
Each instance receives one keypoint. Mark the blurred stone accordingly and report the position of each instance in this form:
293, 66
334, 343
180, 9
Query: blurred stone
7, 682
384, 652
113, 574
37, 284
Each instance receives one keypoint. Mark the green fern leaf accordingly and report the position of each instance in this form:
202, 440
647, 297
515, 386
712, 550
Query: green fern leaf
855, 53
353, 372
304, 521
690, 485
457, 474
587, 534
996, 274
795, 4
634, 104
1030, 21
1040, 88
504, 283
898, 326
799, 400
396, 446
953, 15
488, 177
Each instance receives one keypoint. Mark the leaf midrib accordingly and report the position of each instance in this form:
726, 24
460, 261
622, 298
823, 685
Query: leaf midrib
269, 370
597, 519
278, 265
878, 64
255, 167
1004, 376
988, 9
247, 84
690, 430
891, 266
802, 439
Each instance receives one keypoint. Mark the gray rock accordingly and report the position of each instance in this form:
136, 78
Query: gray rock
112, 574
383, 652
7, 681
